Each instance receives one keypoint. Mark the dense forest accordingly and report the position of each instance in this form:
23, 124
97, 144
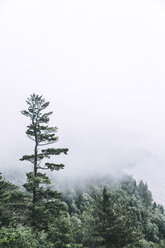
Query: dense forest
103, 213
96, 213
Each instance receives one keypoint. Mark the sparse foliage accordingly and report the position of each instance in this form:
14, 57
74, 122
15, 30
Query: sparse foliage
42, 135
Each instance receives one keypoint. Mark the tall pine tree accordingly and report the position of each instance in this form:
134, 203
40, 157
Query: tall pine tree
38, 183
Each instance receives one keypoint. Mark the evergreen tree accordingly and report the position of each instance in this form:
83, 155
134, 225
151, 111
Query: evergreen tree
12, 204
108, 224
23, 237
44, 198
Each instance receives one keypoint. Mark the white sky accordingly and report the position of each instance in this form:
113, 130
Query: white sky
101, 65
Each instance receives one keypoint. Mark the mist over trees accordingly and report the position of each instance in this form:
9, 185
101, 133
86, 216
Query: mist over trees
101, 213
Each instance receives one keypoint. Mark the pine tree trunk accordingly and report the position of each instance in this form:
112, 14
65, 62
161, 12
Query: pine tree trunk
35, 166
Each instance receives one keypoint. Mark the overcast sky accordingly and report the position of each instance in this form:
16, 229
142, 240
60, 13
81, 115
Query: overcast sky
101, 64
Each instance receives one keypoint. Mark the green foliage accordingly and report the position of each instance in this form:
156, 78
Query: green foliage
99, 214
12, 203
91, 218
22, 237
112, 223
41, 134
59, 231
118, 216
45, 211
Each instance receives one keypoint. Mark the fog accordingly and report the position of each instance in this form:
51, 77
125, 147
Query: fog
101, 66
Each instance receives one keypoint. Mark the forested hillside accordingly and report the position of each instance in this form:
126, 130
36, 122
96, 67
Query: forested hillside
99, 214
